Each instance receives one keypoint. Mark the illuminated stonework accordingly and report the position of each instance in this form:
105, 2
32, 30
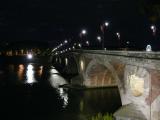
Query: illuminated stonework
137, 85
82, 65
66, 61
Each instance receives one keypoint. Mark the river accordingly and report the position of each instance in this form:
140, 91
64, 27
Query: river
30, 91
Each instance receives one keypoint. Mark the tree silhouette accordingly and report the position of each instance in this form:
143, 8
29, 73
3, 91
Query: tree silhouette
150, 9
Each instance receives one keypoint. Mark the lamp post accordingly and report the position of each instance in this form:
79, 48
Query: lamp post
99, 39
103, 26
82, 34
153, 28
119, 38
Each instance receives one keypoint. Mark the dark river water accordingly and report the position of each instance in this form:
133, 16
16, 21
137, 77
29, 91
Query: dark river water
30, 91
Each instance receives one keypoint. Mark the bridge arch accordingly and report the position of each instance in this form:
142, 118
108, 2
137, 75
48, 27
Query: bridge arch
100, 73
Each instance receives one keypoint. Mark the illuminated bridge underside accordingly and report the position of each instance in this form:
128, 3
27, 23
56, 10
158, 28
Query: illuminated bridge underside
137, 75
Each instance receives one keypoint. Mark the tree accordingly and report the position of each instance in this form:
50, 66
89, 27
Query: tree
150, 8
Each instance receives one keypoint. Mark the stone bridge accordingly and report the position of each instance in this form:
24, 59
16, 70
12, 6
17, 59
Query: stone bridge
137, 75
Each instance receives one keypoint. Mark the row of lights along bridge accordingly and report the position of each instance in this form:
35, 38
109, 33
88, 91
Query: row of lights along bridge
63, 47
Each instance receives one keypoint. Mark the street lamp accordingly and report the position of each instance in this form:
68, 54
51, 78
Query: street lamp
87, 42
65, 41
103, 26
118, 35
106, 24
79, 45
99, 38
153, 28
82, 34
148, 48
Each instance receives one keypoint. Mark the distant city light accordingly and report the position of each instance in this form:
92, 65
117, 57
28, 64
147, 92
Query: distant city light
29, 56
128, 42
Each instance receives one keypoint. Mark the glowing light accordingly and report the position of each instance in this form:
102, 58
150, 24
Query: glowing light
79, 45
153, 28
29, 56
99, 38
137, 85
106, 24
82, 65
148, 48
53, 71
20, 71
56, 80
118, 35
84, 32
30, 74
21, 67
65, 41
63, 96
87, 42
40, 70
66, 61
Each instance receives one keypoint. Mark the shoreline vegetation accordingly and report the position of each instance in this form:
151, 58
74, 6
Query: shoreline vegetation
99, 116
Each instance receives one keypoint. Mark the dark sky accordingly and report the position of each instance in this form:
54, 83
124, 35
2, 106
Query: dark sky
54, 20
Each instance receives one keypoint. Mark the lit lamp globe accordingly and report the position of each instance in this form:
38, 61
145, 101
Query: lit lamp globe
148, 48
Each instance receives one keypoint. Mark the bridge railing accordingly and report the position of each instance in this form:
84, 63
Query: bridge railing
136, 54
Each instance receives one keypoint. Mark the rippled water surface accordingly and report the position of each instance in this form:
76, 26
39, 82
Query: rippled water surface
30, 91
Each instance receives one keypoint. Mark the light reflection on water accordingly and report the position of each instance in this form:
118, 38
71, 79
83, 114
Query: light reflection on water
40, 71
30, 74
20, 71
64, 96
56, 80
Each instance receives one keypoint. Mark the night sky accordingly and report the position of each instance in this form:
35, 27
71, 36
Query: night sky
53, 21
